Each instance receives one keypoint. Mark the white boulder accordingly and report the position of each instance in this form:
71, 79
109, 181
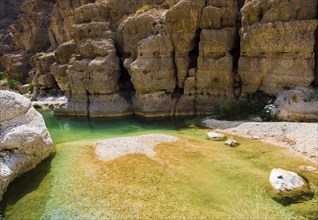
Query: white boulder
24, 138
231, 143
215, 136
284, 180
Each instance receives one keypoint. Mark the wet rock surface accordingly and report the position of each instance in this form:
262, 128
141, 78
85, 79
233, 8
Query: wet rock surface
24, 138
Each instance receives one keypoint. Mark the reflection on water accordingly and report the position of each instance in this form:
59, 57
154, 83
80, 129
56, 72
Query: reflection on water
192, 178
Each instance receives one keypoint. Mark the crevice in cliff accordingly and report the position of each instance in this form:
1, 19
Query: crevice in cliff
124, 83
315, 83
194, 53
236, 53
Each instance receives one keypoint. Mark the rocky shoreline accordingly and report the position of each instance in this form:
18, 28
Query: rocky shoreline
299, 138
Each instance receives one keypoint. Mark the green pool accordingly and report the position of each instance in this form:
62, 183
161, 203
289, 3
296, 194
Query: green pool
192, 179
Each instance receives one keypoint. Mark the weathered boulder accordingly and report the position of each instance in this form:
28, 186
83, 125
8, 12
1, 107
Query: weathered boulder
298, 104
24, 138
289, 186
284, 180
215, 136
231, 143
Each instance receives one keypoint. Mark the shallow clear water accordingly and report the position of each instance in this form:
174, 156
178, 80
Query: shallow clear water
192, 178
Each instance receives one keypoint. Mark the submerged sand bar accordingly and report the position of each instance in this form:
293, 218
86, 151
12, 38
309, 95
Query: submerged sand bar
114, 148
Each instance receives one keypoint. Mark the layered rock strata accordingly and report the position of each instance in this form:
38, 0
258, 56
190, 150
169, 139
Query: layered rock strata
164, 57
277, 45
24, 138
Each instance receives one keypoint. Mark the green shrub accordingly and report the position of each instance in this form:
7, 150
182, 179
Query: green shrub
31, 88
1, 75
13, 84
235, 109
143, 9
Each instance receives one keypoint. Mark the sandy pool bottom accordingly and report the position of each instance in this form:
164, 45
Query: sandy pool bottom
192, 178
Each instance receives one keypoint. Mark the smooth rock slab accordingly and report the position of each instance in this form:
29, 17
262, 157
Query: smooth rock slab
117, 147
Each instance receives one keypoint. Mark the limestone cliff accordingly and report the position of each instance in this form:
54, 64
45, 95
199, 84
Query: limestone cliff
164, 57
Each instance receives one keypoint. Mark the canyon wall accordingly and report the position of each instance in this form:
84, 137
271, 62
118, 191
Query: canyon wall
163, 57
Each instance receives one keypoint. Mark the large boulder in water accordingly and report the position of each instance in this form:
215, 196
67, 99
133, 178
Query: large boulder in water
24, 138
289, 187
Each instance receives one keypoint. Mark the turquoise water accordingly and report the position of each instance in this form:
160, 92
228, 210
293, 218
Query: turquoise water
192, 178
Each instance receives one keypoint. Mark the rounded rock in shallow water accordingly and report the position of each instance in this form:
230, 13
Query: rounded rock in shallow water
289, 187
231, 143
215, 136
283, 180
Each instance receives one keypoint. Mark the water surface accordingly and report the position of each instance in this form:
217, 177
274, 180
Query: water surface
192, 178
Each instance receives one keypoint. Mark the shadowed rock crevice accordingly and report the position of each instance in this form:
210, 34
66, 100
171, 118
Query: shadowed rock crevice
124, 83
316, 57
194, 53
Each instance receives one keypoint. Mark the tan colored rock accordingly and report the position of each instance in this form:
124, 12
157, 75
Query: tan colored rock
16, 65
278, 10
277, 45
269, 73
215, 64
43, 78
59, 73
133, 30
183, 21
216, 43
215, 76
156, 104
110, 105
279, 37
153, 70
185, 105
65, 51
24, 138
30, 31
104, 74
92, 48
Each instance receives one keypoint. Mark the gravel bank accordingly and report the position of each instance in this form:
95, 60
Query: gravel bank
111, 149
300, 138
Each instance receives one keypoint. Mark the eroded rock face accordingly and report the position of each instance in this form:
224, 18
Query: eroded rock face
182, 64
163, 57
277, 45
24, 138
